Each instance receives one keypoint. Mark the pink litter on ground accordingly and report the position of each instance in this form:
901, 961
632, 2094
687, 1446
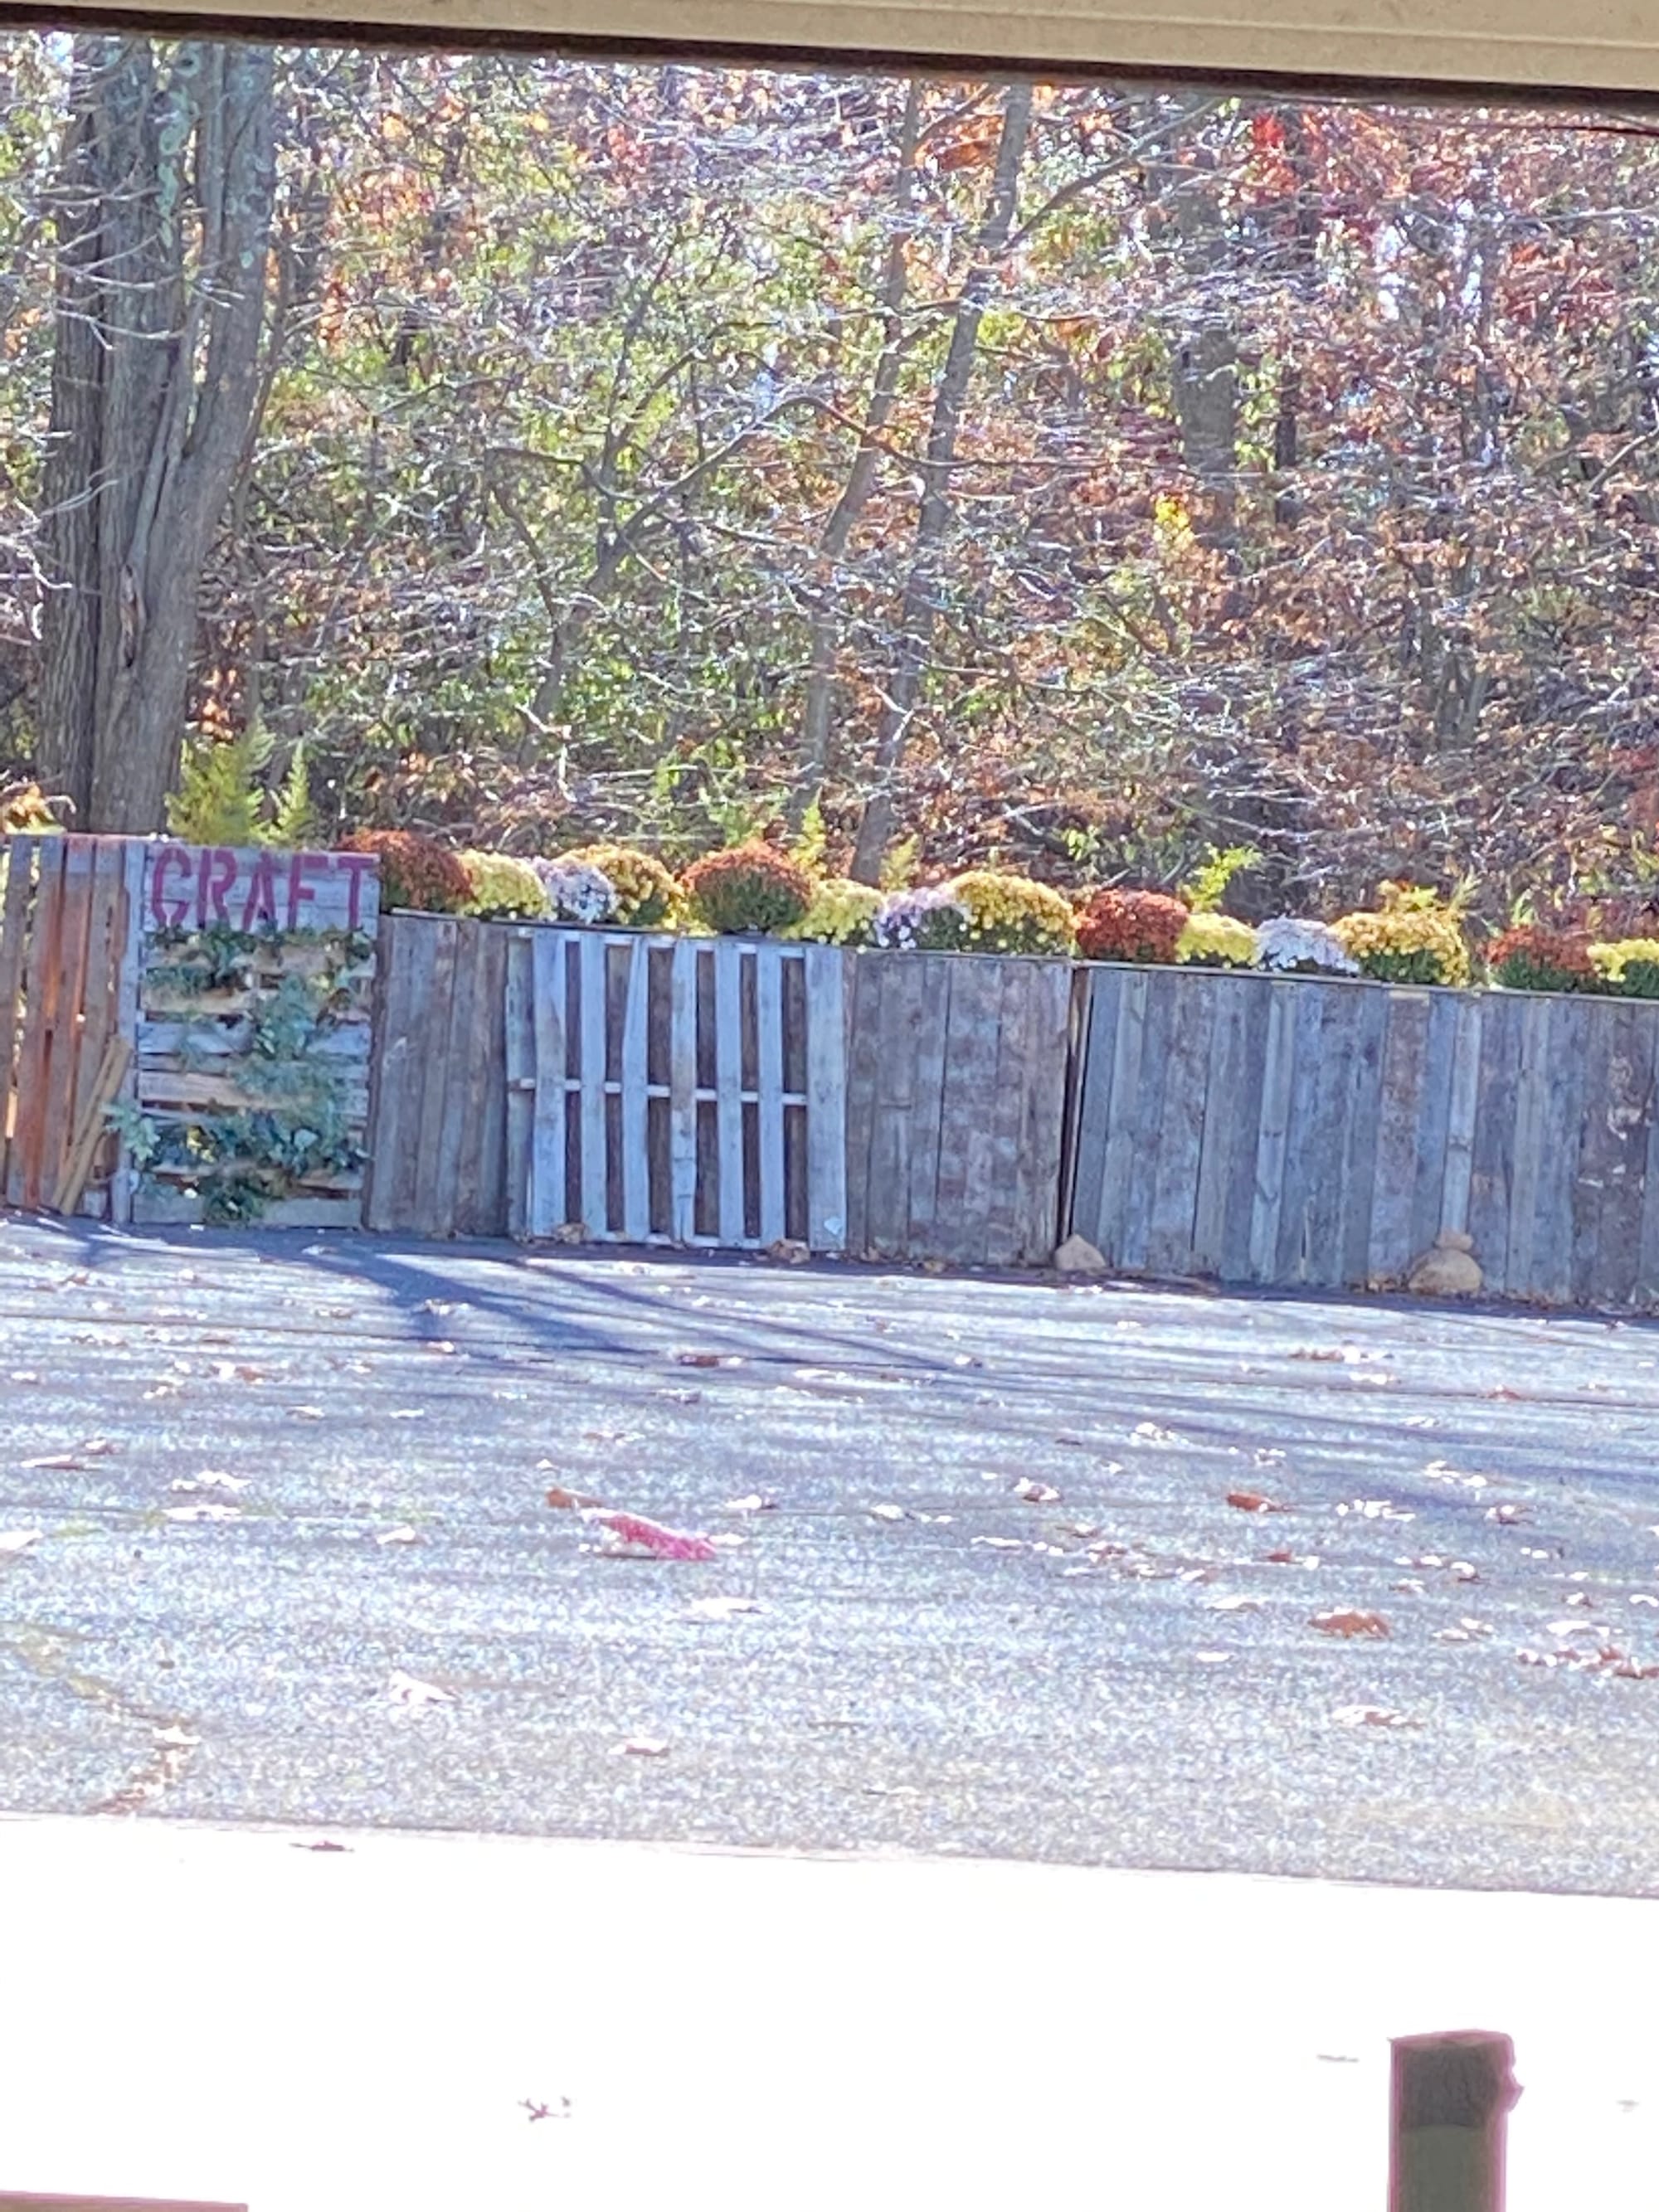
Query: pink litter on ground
665, 1543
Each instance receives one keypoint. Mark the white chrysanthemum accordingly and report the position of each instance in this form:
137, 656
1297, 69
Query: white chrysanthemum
576, 890
931, 918
1292, 945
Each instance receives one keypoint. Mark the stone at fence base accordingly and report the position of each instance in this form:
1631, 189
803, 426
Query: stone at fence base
1077, 1256
1449, 1270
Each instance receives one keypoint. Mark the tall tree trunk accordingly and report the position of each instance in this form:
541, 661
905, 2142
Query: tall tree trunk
1204, 351
921, 609
824, 626
165, 214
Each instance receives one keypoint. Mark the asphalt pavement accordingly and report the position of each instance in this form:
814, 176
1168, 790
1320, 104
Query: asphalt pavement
274, 1546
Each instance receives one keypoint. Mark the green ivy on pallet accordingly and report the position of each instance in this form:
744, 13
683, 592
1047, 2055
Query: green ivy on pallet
295, 1123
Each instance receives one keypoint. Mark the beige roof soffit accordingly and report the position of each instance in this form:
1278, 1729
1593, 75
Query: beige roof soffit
1544, 46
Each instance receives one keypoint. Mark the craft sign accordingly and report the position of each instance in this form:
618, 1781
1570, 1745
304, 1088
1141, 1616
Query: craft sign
194, 886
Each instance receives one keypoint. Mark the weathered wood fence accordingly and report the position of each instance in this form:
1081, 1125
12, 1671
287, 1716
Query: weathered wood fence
728, 1092
627, 1088
956, 1106
527, 1079
1290, 1131
68, 1005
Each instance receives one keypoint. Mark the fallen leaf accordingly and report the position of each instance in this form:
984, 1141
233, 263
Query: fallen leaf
720, 1608
1036, 1493
230, 1371
571, 1500
326, 1845
1349, 1623
632, 1529
1252, 1501
1371, 1716
1149, 1432
407, 1690
14, 1542
707, 1359
441, 1343
308, 1414
540, 2112
96, 1448
1506, 1515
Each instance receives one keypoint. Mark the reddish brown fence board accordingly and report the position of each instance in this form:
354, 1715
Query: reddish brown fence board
66, 922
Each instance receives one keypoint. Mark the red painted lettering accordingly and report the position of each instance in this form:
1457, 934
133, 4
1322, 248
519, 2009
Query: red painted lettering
357, 866
297, 888
261, 906
216, 871
167, 912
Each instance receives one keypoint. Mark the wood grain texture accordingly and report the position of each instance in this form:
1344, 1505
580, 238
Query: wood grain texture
683, 1090
128, 930
1092, 1114
519, 1055
549, 1204
1117, 1170
1563, 1131
730, 958
14, 911
826, 1146
1277, 1068
1357, 1195
39, 1000
1173, 1162
1531, 1084
1224, 1118
1493, 1154
1400, 1078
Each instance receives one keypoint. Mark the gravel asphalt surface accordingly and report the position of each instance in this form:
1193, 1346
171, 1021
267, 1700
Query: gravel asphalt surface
371, 1616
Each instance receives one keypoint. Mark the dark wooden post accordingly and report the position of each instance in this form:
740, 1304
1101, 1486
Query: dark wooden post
1451, 2100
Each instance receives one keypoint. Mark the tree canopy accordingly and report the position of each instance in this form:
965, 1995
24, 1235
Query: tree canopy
945, 472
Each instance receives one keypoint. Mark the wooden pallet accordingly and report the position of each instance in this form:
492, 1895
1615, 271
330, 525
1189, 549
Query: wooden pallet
193, 1060
641, 1090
